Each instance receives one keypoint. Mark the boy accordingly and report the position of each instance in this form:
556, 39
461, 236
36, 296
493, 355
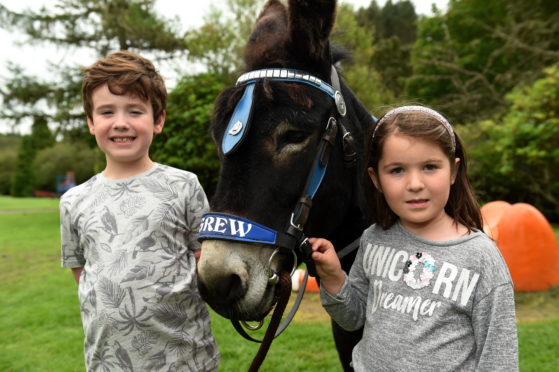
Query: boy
129, 233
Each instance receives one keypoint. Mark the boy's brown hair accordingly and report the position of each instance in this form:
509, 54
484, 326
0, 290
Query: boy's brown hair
125, 72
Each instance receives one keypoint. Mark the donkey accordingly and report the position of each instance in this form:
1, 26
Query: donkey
269, 129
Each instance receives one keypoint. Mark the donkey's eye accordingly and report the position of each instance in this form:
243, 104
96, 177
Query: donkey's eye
294, 136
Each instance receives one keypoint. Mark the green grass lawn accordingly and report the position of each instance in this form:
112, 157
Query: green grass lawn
8, 203
41, 330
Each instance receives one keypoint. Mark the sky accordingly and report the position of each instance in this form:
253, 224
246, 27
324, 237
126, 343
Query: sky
35, 59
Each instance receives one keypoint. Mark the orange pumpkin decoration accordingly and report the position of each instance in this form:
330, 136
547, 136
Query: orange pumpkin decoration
492, 213
297, 282
527, 243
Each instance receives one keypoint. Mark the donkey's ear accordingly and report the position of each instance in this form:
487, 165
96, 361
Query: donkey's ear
266, 44
310, 25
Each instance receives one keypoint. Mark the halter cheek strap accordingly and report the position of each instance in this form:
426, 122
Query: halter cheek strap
239, 122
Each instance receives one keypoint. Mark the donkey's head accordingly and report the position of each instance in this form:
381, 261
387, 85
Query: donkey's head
269, 129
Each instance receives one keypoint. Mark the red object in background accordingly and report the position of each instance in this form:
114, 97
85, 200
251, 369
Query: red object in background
527, 243
297, 282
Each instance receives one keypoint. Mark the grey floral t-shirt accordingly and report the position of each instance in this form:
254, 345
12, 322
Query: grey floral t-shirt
135, 239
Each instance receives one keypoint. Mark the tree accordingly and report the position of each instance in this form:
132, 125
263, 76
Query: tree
515, 156
23, 181
394, 28
186, 142
468, 59
9, 143
392, 20
219, 43
363, 80
392, 60
100, 25
56, 160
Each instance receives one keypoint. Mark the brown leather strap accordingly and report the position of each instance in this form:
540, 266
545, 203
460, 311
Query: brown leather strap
285, 288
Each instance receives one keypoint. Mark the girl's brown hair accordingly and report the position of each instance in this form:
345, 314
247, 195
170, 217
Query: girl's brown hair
462, 205
125, 72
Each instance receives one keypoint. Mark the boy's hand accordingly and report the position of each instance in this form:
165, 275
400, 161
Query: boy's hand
327, 265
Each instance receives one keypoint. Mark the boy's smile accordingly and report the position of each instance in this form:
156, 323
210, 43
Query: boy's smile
123, 140
123, 127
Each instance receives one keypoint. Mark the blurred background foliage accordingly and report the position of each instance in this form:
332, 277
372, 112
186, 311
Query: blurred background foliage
492, 67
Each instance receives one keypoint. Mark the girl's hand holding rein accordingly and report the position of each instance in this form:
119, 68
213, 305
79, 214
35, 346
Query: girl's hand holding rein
328, 265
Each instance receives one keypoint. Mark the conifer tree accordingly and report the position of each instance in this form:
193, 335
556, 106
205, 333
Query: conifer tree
100, 26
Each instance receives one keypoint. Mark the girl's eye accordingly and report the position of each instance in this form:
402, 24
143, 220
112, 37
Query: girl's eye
430, 167
396, 170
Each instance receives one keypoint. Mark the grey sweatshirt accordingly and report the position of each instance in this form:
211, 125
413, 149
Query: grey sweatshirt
433, 306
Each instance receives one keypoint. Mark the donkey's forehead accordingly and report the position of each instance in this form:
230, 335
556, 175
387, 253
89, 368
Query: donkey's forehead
271, 98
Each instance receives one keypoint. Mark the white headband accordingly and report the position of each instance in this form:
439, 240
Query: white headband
426, 110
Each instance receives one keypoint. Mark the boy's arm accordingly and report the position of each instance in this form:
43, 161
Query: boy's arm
77, 271
196, 206
71, 254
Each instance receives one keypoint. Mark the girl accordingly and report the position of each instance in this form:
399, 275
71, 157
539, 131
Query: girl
431, 290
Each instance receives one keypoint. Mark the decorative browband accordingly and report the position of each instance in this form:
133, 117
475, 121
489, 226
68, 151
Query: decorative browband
286, 74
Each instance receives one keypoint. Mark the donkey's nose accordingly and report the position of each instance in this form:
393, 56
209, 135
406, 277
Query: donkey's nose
222, 278
230, 288
223, 291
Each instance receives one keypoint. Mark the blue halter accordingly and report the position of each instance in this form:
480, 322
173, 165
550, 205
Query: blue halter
229, 227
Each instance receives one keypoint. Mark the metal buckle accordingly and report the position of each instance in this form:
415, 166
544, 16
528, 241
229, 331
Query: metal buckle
329, 124
273, 277
251, 327
298, 227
